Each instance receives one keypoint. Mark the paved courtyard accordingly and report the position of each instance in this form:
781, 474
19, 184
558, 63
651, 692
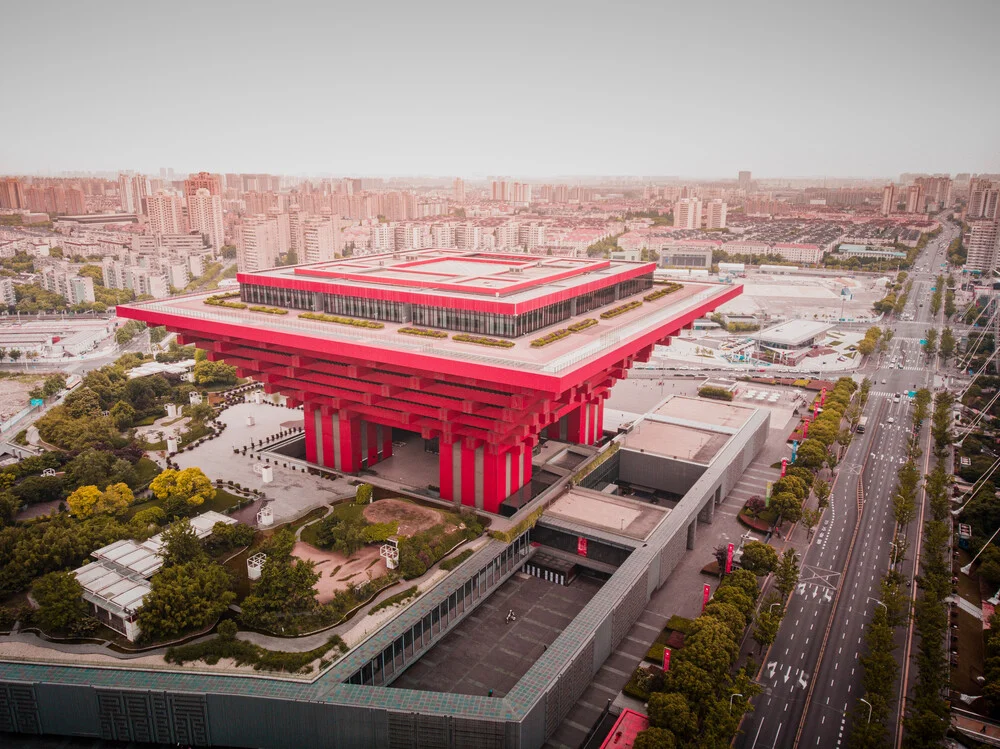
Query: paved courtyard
484, 652
292, 491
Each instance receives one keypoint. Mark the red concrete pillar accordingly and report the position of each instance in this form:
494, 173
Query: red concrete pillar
386, 442
467, 456
573, 425
349, 433
371, 451
552, 430
445, 469
329, 456
599, 407
313, 427
582, 422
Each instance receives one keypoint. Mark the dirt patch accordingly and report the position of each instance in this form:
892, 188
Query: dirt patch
336, 571
412, 518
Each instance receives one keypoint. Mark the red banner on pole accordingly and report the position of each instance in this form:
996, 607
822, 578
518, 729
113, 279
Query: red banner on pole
666, 659
784, 466
706, 593
729, 559
816, 410
805, 428
581, 546
822, 397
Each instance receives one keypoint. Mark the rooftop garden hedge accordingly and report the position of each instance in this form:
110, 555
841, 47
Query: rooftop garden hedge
557, 335
352, 321
270, 310
219, 300
482, 340
667, 288
582, 325
621, 309
427, 332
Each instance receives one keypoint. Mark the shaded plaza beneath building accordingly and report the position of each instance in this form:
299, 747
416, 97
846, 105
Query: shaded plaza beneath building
486, 652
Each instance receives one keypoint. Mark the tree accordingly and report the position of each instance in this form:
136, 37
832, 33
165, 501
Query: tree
788, 507
189, 486
363, 495
14, 354
116, 498
947, 347
184, 597
181, 545
758, 557
123, 415
60, 601
810, 519
822, 491
84, 501
654, 738
766, 630
755, 505
787, 573
811, 454
930, 347
285, 585
671, 710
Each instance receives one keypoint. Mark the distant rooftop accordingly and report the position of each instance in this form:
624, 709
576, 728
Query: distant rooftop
794, 332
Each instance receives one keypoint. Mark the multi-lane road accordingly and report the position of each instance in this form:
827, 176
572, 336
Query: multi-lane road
812, 673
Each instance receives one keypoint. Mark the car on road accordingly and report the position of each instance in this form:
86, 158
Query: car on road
883, 381
892, 420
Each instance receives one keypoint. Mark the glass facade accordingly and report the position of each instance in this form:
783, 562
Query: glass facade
464, 321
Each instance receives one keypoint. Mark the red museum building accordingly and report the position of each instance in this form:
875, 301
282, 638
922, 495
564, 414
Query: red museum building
482, 352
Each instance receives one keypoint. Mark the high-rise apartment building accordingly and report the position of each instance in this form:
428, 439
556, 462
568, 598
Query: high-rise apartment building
560, 194
500, 190
61, 280
256, 244
211, 182
443, 235
468, 236
205, 216
319, 240
983, 246
715, 214
984, 199
687, 213
166, 213
458, 191
12, 194
383, 238
888, 199
282, 223
132, 193
937, 191
531, 236
744, 181
915, 202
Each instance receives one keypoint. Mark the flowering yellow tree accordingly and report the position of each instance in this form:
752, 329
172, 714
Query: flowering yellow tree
190, 485
83, 502
89, 500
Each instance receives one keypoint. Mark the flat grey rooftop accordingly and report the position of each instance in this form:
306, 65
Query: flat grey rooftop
486, 652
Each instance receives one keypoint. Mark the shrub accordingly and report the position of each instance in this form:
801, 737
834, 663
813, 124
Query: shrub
621, 309
450, 564
582, 325
668, 288
424, 332
715, 393
270, 310
219, 300
482, 340
352, 321
551, 337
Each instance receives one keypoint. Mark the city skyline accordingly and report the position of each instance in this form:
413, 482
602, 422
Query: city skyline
364, 91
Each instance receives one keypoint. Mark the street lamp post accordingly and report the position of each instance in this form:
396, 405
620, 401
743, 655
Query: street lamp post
778, 603
880, 604
869, 708
737, 694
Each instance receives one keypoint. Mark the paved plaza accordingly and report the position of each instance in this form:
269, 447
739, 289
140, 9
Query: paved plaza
292, 491
486, 652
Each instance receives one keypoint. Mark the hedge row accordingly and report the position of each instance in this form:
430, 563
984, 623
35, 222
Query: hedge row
482, 340
216, 302
352, 321
270, 310
582, 325
551, 337
621, 309
424, 332
668, 288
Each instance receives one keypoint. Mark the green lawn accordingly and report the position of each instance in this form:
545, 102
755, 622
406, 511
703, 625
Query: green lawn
146, 470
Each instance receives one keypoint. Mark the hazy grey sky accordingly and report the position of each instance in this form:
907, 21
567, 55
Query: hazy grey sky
526, 88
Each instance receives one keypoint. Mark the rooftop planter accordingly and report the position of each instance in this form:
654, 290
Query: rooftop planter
337, 319
270, 310
621, 309
667, 288
426, 332
482, 340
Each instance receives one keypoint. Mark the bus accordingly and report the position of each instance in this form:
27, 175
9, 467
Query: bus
862, 423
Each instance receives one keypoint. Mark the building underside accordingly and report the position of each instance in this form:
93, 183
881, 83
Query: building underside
485, 430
